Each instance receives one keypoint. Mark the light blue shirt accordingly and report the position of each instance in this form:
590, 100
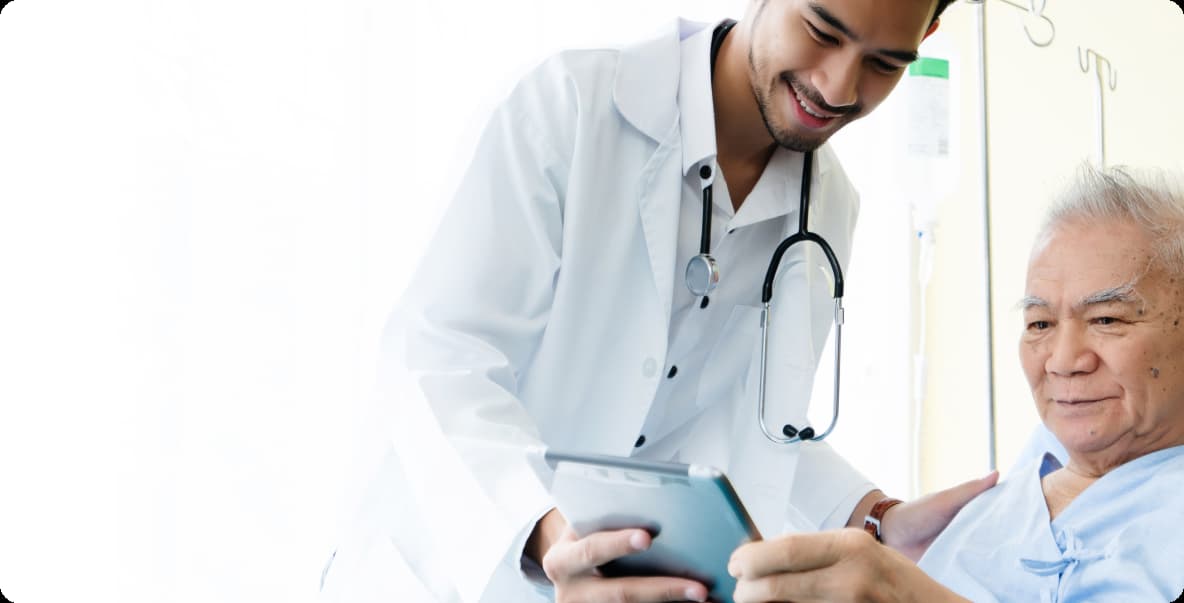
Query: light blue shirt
1122, 539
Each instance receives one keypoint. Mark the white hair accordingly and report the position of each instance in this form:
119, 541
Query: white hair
1151, 199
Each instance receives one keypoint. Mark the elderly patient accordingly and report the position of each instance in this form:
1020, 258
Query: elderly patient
1103, 351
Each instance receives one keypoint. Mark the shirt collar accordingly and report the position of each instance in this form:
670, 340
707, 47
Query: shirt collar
777, 191
695, 103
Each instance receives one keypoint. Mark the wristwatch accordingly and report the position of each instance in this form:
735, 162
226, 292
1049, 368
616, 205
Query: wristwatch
872, 521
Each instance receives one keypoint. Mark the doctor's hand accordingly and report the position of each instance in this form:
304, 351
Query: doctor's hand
571, 565
841, 565
912, 526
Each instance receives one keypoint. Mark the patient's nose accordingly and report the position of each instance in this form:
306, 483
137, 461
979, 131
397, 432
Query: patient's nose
1070, 355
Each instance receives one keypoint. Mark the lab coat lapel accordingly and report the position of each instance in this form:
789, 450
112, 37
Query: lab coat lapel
645, 92
645, 88
660, 198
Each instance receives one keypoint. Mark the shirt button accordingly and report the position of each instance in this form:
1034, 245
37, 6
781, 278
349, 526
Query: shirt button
705, 301
673, 372
649, 368
640, 441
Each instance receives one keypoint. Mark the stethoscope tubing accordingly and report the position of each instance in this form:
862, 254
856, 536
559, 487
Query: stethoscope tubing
702, 276
790, 434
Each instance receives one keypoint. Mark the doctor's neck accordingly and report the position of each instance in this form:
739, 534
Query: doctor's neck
743, 143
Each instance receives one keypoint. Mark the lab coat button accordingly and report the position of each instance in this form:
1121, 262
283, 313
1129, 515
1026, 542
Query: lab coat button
649, 367
673, 372
640, 441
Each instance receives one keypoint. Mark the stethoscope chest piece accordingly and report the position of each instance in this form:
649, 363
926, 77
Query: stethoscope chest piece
702, 275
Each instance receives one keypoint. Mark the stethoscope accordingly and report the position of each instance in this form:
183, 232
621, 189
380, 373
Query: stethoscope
702, 276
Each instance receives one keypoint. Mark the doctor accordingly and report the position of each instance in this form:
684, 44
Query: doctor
551, 308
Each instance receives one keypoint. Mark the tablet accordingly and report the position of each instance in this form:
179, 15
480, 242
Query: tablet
693, 513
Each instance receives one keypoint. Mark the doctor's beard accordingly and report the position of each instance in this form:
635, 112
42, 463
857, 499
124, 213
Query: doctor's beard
787, 136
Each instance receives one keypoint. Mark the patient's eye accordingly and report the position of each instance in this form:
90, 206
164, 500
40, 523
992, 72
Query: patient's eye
1039, 325
1106, 321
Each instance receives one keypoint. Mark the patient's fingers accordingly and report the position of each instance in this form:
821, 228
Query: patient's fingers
836, 566
797, 553
782, 587
573, 556
821, 585
841, 566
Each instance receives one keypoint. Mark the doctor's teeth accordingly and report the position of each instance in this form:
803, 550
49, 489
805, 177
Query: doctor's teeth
807, 109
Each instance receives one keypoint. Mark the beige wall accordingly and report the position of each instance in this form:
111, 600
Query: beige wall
1041, 123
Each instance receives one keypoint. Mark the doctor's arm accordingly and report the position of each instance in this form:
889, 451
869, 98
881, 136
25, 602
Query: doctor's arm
470, 322
911, 527
468, 327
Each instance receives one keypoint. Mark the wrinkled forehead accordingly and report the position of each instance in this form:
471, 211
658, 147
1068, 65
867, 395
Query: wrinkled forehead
1076, 260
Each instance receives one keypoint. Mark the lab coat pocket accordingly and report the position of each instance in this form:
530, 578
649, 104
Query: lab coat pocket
727, 365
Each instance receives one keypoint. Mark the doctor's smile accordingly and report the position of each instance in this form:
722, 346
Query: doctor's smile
813, 112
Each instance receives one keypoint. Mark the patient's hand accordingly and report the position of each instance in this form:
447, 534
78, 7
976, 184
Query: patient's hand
911, 527
571, 565
842, 565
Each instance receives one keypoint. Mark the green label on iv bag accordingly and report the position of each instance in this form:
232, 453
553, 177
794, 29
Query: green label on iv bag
930, 67
927, 91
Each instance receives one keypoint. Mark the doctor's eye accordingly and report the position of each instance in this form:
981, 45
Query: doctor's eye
820, 37
885, 67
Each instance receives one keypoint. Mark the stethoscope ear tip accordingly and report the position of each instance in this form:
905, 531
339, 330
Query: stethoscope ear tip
790, 431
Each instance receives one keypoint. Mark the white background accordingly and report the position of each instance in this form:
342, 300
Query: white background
207, 209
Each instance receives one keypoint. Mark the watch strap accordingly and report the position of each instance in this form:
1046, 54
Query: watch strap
875, 518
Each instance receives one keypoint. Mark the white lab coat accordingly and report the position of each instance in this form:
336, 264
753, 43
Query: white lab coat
540, 315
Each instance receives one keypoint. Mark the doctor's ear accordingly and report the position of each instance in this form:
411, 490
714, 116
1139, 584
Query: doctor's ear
932, 28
